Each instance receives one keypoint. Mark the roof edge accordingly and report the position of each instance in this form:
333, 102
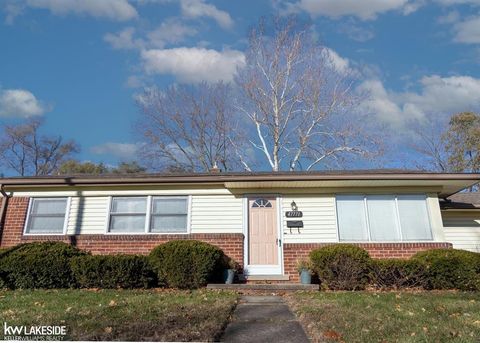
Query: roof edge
229, 177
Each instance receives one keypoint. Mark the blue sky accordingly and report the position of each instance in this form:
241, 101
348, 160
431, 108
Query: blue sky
79, 64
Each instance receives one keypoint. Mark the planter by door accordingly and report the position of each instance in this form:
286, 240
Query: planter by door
305, 277
228, 276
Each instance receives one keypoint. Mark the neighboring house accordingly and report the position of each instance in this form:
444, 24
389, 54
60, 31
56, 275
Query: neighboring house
266, 221
461, 220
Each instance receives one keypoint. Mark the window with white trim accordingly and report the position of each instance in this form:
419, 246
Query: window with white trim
157, 214
383, 218
127, 214
169, 215
46, 216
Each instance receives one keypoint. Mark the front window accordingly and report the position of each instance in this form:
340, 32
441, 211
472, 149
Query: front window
166, 214
169, 215
128, 214
46, 216
383, 218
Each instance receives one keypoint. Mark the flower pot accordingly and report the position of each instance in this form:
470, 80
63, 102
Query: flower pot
305, 277
228, 276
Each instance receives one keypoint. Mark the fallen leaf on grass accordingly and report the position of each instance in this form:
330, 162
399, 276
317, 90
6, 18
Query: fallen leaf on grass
112, 303
331, 334
108, 329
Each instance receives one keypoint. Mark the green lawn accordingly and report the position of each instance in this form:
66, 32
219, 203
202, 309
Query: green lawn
389, 317
153, 315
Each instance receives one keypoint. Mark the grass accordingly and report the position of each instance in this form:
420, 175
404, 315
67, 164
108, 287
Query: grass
389, 317
127, 315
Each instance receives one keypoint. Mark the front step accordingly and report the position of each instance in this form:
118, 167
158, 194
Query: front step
267, 278
265, 287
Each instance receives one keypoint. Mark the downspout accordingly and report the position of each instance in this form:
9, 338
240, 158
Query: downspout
3, 210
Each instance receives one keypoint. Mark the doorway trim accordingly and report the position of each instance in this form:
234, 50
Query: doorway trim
262, 270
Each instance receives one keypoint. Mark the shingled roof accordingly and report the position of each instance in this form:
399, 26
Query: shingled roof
462, 201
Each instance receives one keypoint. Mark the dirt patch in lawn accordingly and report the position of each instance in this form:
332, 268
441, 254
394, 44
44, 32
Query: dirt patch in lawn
123, 315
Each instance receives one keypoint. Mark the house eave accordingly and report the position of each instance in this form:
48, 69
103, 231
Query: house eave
446, 184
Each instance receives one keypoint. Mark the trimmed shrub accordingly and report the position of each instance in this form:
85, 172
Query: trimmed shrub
113, 271
3, 274
341, 266
39, 265
450, 269
397, 273
187, 263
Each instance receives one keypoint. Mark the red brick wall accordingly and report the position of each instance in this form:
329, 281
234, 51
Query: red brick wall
298, 251
14, 221
231, 244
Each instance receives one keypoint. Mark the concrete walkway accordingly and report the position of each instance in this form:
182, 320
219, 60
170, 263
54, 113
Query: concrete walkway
264, 319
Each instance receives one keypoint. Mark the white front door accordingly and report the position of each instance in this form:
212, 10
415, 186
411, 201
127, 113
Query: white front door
263, 237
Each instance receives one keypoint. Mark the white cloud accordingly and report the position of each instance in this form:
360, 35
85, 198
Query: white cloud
193, 64
198, 8
123, 151
340, 64
170, 31
438, 96
123, 39
380, 103
356, 32
468, 31
365, 9
119, 10
134, 81
449, 18
20, 103
457, 2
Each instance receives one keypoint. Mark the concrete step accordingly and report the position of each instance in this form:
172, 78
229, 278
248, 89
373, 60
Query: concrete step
265, 287
267, 278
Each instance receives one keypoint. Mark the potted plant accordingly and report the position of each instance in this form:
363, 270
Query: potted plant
305, 270
231, 269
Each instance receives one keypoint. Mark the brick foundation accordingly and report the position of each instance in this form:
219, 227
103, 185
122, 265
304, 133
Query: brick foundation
298, 251
231, 244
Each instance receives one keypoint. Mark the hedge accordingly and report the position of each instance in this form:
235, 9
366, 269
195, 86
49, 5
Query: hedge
38, 265
187, 263
113, 271
450, 269
341, 266
397, 273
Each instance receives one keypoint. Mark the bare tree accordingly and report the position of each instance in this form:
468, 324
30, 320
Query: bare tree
24, 150
452, 146
298, 97
187, 128
431, 148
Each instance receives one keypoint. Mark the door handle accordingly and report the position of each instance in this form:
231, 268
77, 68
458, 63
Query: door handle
279, 242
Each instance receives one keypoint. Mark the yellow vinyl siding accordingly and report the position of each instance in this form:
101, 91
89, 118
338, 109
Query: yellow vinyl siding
217, 214
462, 229
319, 219
87, 215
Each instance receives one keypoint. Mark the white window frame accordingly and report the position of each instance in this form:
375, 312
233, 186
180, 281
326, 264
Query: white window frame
65, 219
148, 214
397, 220
109, 215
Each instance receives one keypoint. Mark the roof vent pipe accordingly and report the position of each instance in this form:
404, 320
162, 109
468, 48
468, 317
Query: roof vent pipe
214, 168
